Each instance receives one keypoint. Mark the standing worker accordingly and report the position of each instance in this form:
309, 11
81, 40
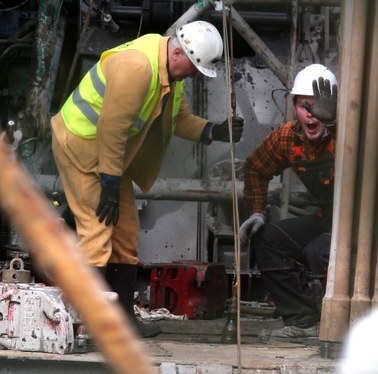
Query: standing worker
292, 254
114, 130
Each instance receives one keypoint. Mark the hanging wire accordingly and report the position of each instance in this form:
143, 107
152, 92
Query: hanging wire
231, 110
140, 24
272, 94
14, 7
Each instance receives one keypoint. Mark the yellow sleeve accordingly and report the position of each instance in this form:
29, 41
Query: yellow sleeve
189, 126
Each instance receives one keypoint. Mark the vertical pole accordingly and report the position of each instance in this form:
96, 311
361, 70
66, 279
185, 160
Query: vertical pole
336, 303
361, 301
34, 120
289, 105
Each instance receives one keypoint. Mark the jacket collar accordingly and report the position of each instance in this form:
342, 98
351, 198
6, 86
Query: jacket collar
163, 61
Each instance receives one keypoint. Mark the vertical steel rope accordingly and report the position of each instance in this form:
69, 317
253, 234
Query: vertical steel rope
231, 110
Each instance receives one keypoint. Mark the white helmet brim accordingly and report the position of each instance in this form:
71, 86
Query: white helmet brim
209, 72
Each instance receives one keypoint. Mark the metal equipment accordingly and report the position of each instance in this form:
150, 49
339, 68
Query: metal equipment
45, 48
34, 318
191, 288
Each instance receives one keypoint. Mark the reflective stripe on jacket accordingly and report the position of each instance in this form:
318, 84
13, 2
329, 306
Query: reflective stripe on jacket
82, 109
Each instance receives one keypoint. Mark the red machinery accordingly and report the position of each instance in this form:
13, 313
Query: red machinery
196, 289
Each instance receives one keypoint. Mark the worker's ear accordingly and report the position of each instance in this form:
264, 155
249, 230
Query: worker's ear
177, 52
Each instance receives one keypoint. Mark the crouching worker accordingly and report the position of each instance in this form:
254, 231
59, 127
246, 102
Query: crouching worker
292, 254
114, 129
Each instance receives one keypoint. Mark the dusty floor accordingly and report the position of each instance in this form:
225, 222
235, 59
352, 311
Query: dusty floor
191, 347
195, 347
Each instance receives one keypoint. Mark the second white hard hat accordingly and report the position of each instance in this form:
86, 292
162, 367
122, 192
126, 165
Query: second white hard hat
203, 45
303, 80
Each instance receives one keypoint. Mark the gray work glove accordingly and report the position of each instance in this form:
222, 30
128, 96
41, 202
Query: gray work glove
108, 206
220, 131
325, 106
250, 226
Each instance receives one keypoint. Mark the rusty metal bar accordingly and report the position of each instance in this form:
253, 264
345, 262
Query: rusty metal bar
259, 46
336, 303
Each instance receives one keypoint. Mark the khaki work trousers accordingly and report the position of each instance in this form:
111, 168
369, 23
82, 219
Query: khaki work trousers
77, 162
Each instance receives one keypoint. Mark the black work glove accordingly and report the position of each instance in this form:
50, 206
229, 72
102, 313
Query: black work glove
108, 207
325, 105
220, 131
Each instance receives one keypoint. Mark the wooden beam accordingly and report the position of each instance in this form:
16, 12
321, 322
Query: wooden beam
54, 247
361, 302
336, 303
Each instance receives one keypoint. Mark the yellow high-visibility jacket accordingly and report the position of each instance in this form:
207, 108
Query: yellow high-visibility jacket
117, 108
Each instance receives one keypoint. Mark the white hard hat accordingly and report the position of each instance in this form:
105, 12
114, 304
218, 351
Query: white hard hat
303, 80
203, 45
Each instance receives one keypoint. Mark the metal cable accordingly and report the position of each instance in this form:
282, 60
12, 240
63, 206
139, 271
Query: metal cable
231, 110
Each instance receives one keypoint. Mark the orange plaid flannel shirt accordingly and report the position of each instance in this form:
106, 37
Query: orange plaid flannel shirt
275, 154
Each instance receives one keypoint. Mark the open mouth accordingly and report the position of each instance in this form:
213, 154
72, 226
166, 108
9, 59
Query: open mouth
312, 126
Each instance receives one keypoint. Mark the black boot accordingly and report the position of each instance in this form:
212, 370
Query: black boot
122, 279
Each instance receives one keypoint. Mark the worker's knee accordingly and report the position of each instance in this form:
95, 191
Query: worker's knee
272, 250
316, 254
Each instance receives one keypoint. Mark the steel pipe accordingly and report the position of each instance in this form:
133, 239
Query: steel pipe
361, 301
166, 189
194, 12
191, 190
277, 2
336, 303
256, 17
126, 12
